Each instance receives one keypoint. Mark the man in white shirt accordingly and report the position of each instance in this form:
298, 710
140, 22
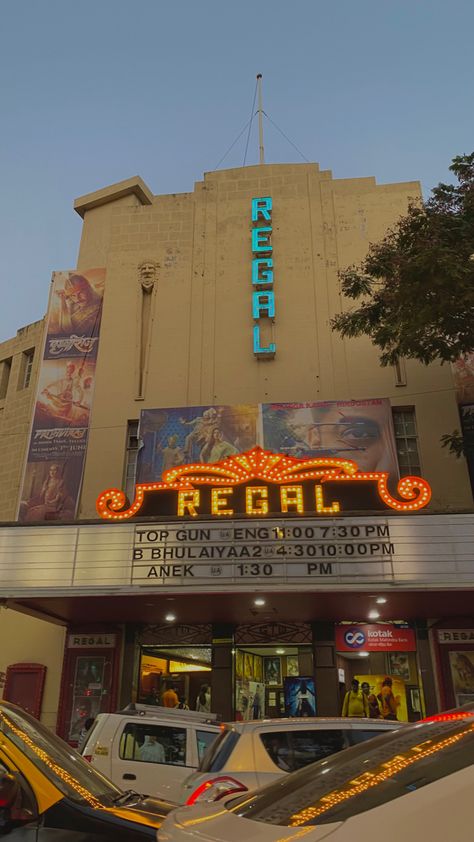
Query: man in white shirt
152, 751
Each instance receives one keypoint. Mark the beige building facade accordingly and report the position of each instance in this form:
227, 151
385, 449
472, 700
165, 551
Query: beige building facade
178, 331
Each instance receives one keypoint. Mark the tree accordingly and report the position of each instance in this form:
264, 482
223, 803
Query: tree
416, 286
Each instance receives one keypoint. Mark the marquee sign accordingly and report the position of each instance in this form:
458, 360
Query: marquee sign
263, 298
259, 483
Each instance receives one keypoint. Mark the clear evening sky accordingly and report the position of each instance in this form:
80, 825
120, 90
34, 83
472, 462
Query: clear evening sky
96, 91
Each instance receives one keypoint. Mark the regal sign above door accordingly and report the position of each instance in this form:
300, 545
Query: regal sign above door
260, 483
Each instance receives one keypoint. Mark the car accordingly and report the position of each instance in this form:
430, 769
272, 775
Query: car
155, 748
250, 754
48, 793
417, 781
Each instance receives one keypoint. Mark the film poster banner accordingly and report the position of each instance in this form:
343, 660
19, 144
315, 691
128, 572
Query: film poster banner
467, 425
462, 675
361, 430
395, 693
182, 436
463, 373
60, 426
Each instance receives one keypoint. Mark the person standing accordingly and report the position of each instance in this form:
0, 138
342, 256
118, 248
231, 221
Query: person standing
355, 702
374, 709
169, 698
203, 701
387, 700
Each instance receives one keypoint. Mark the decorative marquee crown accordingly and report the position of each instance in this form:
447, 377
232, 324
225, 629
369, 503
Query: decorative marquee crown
269, 467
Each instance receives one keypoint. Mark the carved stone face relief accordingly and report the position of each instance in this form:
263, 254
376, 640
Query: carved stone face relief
147, 272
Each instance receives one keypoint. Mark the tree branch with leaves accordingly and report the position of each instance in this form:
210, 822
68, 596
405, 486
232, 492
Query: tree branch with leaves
415, 288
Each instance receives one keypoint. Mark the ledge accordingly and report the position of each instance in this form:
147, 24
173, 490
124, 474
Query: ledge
134, 186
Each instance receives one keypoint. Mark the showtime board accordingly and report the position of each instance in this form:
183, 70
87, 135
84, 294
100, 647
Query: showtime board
426, 551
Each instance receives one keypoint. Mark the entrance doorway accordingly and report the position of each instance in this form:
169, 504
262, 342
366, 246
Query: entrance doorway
183, 668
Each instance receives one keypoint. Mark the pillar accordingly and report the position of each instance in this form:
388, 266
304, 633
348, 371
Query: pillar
325, 670
222, 672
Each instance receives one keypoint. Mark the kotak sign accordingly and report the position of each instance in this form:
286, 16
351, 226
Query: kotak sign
374, 638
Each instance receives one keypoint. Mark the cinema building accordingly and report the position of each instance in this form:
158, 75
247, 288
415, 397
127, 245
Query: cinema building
200, 481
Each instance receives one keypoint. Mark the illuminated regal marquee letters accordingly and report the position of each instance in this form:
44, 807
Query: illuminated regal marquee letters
263, 299
260, 483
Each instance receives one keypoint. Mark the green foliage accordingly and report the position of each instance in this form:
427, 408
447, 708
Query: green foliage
416, 286
454, 442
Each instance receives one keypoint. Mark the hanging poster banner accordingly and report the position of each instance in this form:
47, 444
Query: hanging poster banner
463, 373
361, 430
60, 428
184, 435
467, 425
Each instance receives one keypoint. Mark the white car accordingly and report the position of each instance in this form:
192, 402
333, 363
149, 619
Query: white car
148, 748
416, 783
248, 755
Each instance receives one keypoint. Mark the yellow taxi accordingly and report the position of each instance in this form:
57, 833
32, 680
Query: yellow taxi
48, 793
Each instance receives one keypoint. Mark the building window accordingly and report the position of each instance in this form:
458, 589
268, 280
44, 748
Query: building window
400, 372
131, 456
5, 369
406, 440
26, 368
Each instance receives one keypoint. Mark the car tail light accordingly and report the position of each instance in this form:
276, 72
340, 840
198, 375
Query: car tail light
87, 757
449, 717
214, 789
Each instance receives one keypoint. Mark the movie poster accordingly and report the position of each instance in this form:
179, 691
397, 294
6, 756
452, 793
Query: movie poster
182, 436
300, 696
60, 427
361, 430
466, 413
463, 373
398, 689
462, 674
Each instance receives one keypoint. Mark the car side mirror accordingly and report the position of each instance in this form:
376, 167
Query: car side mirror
9, 795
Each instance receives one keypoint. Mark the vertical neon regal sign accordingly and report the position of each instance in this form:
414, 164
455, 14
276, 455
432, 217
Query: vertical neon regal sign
263, 299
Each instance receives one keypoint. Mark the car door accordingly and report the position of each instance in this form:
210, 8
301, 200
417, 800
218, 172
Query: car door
151, 758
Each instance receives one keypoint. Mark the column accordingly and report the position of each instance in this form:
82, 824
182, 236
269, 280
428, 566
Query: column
325, 670
221, 679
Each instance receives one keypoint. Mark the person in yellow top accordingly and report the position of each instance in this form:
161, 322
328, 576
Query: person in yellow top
169, 698
355, 702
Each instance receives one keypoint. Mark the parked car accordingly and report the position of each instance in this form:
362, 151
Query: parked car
248, 755
149, 747
413, 783
49, 793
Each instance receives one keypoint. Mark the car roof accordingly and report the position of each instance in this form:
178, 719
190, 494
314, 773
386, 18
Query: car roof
308, 721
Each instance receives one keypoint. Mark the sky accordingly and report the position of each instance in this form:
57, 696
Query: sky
94, 92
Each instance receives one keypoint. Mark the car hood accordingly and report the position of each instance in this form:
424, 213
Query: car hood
147, 811
214, 823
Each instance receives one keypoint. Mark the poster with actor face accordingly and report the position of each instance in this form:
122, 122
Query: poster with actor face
383, 685
182, 436
462, 674
463, 373
60, 428
361, 430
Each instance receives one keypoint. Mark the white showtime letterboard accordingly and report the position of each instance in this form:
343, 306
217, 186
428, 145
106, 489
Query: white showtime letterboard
327, 553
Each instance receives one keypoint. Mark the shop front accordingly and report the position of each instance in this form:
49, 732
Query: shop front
263, 583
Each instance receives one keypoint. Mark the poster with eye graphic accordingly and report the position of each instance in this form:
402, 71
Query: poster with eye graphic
361, 430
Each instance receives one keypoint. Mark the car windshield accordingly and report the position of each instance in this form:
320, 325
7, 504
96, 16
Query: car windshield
365, 776
72, 775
